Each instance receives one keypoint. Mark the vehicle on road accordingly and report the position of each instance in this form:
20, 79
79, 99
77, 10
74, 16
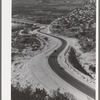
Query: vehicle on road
61, 68
55, 50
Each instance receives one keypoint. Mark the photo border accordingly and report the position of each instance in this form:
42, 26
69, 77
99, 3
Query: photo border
0, 48
99, 50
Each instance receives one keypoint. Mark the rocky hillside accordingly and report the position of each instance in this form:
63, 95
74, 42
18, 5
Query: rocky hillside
80, 23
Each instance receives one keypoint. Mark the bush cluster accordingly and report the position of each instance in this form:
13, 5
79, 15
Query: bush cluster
38, 94
74, 61
21, 42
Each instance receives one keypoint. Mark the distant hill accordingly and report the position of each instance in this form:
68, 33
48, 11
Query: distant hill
47, 2
43, 11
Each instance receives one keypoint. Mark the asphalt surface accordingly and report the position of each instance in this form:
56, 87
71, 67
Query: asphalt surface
53, 62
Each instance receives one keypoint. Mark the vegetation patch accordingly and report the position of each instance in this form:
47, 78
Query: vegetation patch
81, 24
23, 45
20, 42
38, 94
92, 68
74, 61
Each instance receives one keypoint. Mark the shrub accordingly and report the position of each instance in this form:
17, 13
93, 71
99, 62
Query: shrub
92, 68
59, 96
46, 38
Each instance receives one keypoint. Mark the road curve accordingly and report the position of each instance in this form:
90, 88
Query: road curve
53, 62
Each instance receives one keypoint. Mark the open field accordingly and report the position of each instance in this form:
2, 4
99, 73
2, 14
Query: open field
47, 2
43, 13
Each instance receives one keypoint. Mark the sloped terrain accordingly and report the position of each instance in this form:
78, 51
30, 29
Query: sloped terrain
80, 24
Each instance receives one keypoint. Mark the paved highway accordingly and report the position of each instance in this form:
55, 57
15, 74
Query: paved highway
53, 62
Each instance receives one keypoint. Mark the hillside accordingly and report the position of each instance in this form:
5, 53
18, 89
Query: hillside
81, 24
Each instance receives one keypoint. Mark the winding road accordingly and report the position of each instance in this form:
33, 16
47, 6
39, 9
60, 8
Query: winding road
53, 62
